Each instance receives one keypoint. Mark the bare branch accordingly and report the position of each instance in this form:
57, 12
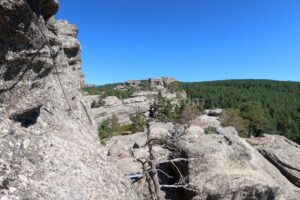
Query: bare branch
177, 160
178, 170
167, 175
186, 187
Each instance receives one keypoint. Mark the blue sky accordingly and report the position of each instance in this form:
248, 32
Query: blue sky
192, 40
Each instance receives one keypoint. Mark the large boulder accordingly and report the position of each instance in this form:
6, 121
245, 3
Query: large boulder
223, 166
49, 148
214, 112
283, 154
206, 121
161, 131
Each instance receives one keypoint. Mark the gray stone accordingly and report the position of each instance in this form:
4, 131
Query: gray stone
194, 130
283, 154
227, 167
159, 130
49, 146
213, 113
122, 109
168, 80
133, 83
207, 121
156, 82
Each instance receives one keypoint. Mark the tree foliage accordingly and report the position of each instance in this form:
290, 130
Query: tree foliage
139, 122
279, 101
254, 114
109, 90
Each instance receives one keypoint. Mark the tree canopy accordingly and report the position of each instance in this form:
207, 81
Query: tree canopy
273, 106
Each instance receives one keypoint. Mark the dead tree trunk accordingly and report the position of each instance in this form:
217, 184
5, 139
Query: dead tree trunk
150, 169
152, 161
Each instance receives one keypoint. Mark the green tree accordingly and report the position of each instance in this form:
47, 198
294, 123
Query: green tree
253, 112
108, 126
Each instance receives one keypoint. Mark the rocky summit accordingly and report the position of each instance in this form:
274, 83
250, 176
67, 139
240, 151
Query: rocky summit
146, 143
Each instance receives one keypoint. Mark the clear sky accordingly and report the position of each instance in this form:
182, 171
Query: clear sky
192, 40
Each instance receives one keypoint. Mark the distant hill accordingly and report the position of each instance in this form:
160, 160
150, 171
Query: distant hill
280, 100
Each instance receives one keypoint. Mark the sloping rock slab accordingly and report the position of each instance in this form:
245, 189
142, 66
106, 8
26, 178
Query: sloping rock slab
224, 166
283, 154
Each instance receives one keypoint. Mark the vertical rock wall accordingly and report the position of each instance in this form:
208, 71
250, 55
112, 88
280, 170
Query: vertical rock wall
48, 146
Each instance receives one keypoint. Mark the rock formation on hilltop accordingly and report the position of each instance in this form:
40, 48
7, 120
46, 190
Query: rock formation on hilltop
49, 148
139, 102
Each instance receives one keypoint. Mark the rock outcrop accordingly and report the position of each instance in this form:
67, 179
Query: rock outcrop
122, 109
49, 148
224, 166
164, 81
140, 102
283, 154
218, 165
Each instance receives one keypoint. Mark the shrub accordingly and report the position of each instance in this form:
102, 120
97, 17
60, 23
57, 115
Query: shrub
189, 113
107, 127
139, 122
231, 117
97, 103
209, 130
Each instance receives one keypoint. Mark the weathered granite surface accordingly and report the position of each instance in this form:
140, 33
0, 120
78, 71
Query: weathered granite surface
48, 146
283, 154
224, 166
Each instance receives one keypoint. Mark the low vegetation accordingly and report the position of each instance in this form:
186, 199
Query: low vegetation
109, 90
97, 103
111, 127
209, 130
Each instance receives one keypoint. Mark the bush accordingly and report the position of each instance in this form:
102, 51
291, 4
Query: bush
231, 117
111, 127
124, 130
139, 122
97, 103
107, 127
209, 130
189, 113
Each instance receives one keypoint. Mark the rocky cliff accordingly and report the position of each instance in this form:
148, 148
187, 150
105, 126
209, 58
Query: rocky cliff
48, 146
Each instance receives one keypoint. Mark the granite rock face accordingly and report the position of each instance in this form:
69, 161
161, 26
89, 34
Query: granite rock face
224, 166
122, 109
139, 103
283, 154
49, 148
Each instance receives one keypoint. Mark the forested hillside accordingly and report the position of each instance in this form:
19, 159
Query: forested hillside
278, 101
